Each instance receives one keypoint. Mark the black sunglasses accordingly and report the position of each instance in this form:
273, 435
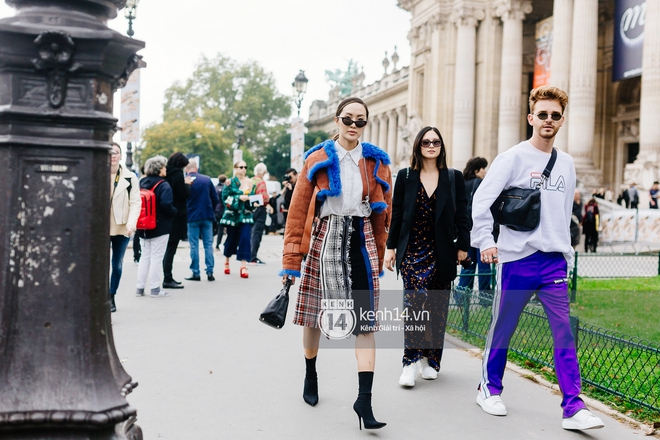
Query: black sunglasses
348, 122
544, 115
427, 143
242, 167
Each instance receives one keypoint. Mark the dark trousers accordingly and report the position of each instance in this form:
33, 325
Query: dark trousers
168, 259
259, 217
238, 241
118, 244
137, 251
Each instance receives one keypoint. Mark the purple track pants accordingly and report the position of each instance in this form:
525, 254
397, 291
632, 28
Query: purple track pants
546, 275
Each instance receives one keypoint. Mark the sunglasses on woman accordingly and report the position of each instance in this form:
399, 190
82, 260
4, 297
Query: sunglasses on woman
544, 115
348, 122
427, 143
241, 167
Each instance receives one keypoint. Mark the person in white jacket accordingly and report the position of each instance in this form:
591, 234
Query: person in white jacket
124, 212
532, 262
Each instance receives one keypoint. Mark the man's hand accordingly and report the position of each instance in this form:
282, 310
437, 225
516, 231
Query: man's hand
489, 255
461, 256
390, 258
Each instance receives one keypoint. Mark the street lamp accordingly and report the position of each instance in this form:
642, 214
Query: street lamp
131, 14
299, 88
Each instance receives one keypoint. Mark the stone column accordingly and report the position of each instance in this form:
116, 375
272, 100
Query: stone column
512, 13
366, 135
466, 19
403, 139
373, 133
382, 131
562, 29
392, 133
582, 92
649, 134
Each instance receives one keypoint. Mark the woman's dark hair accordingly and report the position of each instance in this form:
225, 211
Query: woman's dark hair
344, 103
416, 159
177, 160
472, 166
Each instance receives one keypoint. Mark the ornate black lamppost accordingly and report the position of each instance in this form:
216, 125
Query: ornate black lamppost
130, 12
299, 88
60, 377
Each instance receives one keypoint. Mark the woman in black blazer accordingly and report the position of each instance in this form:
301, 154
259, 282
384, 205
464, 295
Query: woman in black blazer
428, 236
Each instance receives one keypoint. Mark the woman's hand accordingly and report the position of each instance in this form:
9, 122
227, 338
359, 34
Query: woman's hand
243, 198
390, 258
461, 255
289, 277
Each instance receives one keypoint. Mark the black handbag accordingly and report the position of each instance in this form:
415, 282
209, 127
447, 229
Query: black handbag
274, 314
520, 208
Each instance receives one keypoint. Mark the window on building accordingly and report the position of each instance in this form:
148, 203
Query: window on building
633, 151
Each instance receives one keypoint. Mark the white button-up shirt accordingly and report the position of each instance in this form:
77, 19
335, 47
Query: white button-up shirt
348, 202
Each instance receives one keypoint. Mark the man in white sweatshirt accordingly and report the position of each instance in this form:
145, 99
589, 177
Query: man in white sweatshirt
532, 262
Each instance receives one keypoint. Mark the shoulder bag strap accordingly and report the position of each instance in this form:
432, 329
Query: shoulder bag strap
551, 163
452, 186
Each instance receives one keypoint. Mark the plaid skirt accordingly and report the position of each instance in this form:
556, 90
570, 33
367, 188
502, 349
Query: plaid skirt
310, 292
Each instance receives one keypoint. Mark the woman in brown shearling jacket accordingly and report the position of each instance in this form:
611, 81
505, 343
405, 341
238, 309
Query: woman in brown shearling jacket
338, 221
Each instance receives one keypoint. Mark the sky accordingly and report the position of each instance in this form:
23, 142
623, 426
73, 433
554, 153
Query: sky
283, 36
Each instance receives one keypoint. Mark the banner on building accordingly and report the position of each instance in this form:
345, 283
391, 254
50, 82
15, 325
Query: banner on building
130, 108
297, 143
542, 60
629, 18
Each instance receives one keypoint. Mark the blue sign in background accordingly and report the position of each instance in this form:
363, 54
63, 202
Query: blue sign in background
629, 18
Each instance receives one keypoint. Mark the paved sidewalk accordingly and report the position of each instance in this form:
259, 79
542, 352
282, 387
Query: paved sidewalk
208, 369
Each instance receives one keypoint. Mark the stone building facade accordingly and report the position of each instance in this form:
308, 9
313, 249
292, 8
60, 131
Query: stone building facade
471, 70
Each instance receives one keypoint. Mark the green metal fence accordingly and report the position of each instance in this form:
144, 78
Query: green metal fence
625, 367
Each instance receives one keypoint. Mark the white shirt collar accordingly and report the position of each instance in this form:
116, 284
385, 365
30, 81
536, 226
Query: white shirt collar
355, 154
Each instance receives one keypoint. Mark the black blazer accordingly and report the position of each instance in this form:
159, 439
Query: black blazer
447, 221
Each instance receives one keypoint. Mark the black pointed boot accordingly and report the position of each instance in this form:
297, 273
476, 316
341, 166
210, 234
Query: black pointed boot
362, 405
311, 390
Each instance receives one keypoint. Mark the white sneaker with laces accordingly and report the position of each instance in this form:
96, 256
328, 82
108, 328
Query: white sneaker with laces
492, 405
428, 372
407, 378
582, 420
159, 293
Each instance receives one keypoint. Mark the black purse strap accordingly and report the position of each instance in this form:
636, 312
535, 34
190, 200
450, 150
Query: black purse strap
548, 167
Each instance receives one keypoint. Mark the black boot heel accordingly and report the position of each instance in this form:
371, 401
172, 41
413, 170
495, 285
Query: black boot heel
362, 408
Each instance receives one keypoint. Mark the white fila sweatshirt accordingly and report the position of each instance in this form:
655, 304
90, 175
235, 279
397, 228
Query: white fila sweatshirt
522, 167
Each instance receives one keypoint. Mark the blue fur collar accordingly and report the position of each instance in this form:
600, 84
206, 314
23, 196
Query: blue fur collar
369, 151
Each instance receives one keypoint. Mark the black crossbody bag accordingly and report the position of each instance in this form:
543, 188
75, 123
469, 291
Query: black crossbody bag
520, 208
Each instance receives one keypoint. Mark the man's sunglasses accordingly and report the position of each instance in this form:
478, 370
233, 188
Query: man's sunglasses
544, 115
427, 144
348, 122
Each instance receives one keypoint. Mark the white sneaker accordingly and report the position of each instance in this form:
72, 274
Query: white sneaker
159, 293
581, 420
407, 378
492, 405
428, 372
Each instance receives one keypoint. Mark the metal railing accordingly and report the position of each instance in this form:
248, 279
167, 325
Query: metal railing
623, 366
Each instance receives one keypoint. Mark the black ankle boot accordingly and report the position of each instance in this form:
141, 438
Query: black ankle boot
311, 390
113, 307
362, 405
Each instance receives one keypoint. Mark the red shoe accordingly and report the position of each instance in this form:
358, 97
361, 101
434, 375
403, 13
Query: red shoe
227, 271
244, 272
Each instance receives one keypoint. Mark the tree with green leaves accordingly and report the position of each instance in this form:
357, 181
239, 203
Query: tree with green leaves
199, 116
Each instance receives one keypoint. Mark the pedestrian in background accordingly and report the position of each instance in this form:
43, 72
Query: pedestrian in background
125, 206
344, 191
220, 209
653, 196
288, 185
260, 213
427, 210
474, 172
590, 225
532, 262
634, 196
180, 192
153, 242
624, 197
201, 205
237, 217
576, 219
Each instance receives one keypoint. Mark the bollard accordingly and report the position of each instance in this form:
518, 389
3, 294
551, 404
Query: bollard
60, 376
